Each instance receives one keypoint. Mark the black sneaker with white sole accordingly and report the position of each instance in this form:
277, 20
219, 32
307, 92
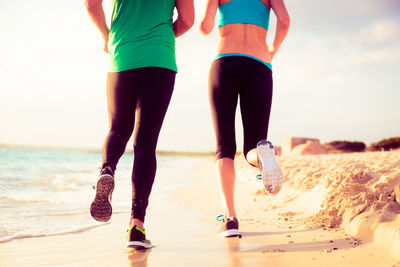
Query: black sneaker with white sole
137, 239
101, 209
230, 228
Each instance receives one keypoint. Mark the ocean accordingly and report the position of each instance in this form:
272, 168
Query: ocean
49, 192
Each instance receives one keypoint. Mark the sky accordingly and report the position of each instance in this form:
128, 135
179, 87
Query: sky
336, 76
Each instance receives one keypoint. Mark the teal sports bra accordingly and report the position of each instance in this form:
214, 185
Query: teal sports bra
244, 11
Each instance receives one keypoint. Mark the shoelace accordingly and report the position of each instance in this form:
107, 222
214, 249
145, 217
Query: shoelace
221, 218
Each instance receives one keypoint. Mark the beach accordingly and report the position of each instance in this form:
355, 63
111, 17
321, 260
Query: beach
333, 209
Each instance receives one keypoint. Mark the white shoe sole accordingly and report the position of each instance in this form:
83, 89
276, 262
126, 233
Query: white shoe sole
138, 245
230, 233
271, 173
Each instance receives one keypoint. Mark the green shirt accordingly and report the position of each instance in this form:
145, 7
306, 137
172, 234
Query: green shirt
141, 35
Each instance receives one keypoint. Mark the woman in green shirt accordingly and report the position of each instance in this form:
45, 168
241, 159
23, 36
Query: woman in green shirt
141, 44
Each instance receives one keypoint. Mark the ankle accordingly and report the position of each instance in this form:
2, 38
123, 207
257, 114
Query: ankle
107, 170
230, 214
136, 222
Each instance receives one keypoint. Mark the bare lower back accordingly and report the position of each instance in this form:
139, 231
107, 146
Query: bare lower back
245, 39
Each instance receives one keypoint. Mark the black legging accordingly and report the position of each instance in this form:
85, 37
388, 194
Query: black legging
231, 77
146, 93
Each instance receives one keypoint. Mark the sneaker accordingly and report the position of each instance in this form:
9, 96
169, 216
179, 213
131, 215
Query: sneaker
137, 239
101, 209
230, 228
271, 173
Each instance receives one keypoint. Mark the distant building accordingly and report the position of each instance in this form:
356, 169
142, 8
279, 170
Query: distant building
290, 142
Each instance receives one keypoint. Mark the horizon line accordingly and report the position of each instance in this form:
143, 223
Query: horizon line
97, 150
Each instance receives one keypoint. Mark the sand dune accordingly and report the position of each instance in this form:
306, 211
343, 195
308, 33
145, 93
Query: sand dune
359, 192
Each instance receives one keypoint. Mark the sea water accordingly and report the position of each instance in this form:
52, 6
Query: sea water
48, 192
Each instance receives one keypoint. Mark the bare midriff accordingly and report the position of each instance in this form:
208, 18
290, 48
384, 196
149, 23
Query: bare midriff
244, 38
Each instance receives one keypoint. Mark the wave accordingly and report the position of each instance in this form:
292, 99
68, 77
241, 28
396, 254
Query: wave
48, 148
4, 200
116, 210
71, 230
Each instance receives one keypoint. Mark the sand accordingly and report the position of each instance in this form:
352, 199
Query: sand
333, 209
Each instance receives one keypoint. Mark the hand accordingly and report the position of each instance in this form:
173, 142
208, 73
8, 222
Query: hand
105, 46
272, 51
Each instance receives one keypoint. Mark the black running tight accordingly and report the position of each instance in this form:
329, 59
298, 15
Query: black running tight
230, 78
143, 94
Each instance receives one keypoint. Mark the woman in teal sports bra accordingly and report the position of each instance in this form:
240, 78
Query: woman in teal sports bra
242, 69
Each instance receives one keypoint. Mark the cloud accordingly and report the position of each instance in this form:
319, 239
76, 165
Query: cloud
341, 8
325, 18
373, 57
379, 33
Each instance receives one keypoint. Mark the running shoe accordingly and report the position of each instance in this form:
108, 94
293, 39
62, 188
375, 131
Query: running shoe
271, 173
230, 228
101, 209
137, 239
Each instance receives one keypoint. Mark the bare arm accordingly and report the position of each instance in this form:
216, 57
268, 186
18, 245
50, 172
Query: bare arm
282, 25
207, 23
185, 18
96, 14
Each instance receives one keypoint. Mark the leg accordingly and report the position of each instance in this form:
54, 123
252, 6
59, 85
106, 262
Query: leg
223, 100
226, 181
252, 157
121, 100
255, 106
121, 109
156, 86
